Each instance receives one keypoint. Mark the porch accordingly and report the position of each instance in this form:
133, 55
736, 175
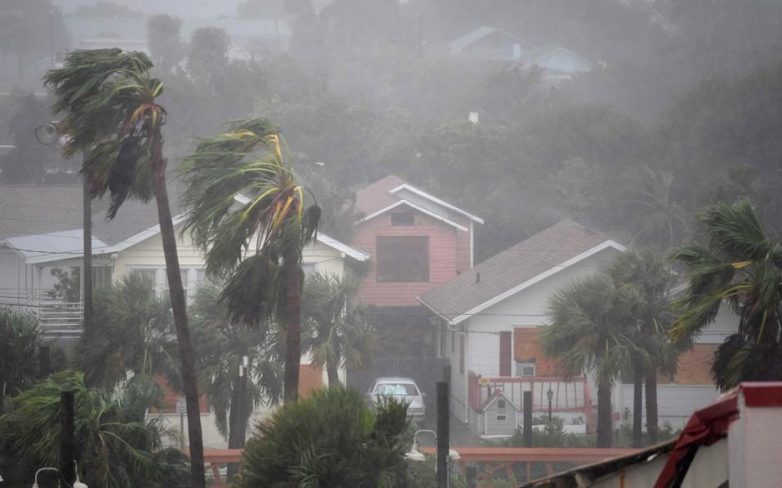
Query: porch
570, 398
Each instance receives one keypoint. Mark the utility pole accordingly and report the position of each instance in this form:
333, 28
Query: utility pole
527, 405
67, 441
443, 434
87, 224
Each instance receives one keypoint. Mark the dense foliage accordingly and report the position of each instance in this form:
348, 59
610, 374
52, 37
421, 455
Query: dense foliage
117, 446
739, 266
331, 438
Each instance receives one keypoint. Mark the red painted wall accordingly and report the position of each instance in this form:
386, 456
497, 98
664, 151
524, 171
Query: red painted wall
449, 253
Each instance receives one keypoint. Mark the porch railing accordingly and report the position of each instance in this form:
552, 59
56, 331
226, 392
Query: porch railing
57, 318
569, 395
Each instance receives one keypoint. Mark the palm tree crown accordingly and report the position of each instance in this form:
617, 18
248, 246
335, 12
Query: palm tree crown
741, 267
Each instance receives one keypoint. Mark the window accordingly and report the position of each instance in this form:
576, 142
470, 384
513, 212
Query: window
525, 369
192, 278
403, 259
402, 219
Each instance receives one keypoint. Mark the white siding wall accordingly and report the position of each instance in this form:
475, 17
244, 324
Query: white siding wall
525, 309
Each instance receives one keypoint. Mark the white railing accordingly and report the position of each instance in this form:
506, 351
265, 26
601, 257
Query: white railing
57, 318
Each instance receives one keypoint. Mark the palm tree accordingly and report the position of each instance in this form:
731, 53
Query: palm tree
108, 101
257, 243
134, 337
117, 446
331, 438
742, 267
19, 338
652, 280
591, 331
338, 333
220, 347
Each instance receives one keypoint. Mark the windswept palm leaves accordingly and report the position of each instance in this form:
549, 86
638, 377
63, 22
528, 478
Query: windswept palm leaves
331, 438
248, 213
741, 267
118, 448
108, 101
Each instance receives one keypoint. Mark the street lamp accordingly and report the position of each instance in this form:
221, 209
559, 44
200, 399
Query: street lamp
76, 484
550, 395
415, 455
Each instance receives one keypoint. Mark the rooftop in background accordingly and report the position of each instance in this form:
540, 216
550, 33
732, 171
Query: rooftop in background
392, 191
512, 270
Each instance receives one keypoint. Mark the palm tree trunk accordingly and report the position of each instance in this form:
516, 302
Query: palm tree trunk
332, 373
638, 400
604, 423
651, 406
293, 328
180, 317
236, 423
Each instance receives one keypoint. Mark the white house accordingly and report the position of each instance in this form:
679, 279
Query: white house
490, 317
41, 231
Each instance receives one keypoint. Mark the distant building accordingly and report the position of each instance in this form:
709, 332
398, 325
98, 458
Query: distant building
492, 44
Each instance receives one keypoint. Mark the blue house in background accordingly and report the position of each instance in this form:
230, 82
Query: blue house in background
561, 64
492, 44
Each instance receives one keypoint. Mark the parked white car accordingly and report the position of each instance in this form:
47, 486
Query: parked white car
400, 389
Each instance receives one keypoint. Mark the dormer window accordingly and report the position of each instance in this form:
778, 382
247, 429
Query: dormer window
402, 219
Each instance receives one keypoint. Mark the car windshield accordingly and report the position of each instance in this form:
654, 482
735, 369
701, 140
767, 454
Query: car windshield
400, 389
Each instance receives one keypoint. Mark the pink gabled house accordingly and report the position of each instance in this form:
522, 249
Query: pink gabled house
416, 241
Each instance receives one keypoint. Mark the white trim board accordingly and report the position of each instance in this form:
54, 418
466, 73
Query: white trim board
436, 200
415, 207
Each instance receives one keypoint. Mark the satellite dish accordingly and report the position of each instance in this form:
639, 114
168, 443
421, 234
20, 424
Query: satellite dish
46, 133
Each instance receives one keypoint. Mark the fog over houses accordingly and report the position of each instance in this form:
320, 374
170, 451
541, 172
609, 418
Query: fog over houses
236, 232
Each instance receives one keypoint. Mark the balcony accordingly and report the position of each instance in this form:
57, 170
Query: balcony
58, 319
571, 398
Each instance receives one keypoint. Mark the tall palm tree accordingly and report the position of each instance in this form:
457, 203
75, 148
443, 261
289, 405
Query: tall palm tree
652, 280
256, 244
108, 101
338, 333
591, 331
740, 266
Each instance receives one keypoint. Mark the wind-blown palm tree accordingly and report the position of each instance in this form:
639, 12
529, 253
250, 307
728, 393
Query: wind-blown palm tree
652, 280
338, 333
256, 243
742, 267
108, 101
590, 332
118, 447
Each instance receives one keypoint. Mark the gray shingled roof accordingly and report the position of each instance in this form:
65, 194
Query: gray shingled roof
33, 210
510, 268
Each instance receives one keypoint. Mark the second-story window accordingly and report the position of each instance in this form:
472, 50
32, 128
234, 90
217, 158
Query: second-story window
403, 259
399, 219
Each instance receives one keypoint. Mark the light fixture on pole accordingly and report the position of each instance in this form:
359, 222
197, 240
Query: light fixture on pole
76, 484
550, 395
415, 455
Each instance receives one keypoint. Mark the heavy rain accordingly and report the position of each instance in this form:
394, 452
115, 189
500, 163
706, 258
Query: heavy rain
390, 243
